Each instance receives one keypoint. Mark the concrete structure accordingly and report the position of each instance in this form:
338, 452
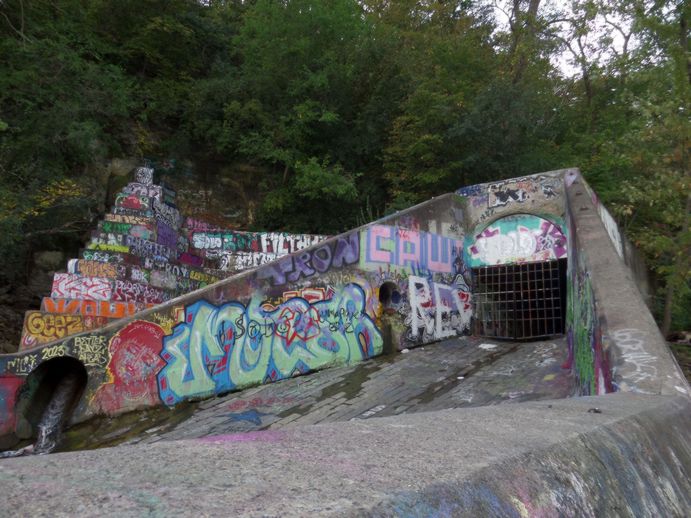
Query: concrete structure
440, 270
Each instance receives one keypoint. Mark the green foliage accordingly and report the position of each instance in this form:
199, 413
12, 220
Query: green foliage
334, 109
322, 196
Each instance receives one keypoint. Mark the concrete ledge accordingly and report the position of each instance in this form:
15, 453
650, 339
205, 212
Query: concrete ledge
632, 458
640, 359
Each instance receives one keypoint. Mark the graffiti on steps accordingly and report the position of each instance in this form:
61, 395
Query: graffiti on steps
144, 248
88, 268
133, 202
95, 308
277, 243
219, 348
190, 259
166, 236
409, 249
183, 244
72, 286
144, 175
121, 211
238, 261
102, 256
142, 189
129, 220
143, 231
107, 238
108, 248
167, 214
125, 291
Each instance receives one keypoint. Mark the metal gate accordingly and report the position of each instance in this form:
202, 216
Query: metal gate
518, 301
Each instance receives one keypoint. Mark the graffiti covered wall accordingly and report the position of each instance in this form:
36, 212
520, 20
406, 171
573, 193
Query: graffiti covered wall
314, 307
221, 348
322, 304
517, 239
587, 356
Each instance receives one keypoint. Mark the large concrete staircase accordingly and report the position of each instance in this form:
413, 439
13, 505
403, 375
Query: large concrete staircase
143, 253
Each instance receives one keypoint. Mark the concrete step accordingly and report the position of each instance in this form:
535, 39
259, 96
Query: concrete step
95, 308
76, 286
158, 278
41, 327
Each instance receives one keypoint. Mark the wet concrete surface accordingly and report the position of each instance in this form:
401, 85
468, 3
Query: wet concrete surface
456, 373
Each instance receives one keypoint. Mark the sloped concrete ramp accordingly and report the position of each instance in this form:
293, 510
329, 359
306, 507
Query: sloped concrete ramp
621, 454
455, 373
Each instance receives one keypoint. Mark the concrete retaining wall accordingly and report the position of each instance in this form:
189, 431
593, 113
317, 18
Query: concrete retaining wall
397, 282
631, 458
615, 343
308, 310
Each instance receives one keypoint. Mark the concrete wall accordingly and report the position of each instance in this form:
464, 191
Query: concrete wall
614, 342
624, 248
395, 283
308, 310
529, 459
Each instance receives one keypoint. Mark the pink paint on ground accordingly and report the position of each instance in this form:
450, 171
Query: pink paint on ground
260, 436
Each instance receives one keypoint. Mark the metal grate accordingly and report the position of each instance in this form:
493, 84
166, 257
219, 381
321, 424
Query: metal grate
519, 301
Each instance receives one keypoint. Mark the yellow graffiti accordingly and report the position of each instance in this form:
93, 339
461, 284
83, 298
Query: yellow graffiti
91, 350
165, 322
49, 327
54, 351
22, 365
109, 248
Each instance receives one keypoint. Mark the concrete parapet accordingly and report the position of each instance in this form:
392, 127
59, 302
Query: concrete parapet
628, 348
616, 455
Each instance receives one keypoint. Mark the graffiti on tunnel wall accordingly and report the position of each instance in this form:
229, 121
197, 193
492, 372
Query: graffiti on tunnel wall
521, 190
132, 368
219, 348
331, 254
438, 311
521, 238
405, 248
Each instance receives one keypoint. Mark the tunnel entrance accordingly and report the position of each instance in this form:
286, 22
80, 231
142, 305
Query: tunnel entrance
390, 299
48, 398
520, 301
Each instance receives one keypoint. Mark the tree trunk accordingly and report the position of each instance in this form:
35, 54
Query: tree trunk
521, 33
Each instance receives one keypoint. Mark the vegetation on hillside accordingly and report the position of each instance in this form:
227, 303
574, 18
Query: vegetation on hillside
348, 109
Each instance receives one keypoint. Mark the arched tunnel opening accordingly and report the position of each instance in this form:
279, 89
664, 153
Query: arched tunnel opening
389, 298
47, 400
520, 301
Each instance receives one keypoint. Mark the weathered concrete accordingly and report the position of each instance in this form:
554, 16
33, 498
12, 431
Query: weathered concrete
455, 373
630, 457
641, 360
624, 454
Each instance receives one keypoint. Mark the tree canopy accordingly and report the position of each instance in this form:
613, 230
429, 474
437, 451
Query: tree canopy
346, 110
